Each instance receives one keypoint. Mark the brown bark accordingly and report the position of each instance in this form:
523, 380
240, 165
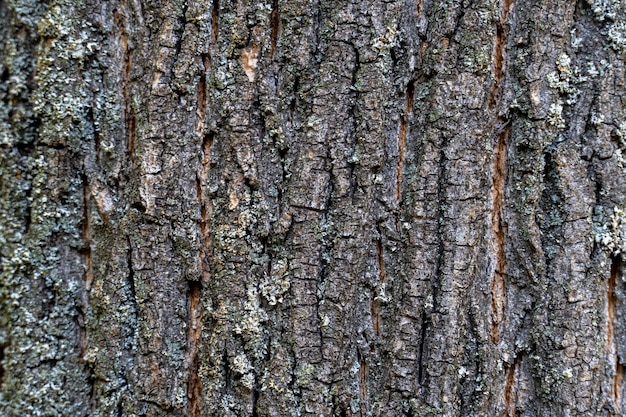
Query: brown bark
312, 208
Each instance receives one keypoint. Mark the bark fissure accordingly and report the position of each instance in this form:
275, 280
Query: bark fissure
612, 348
228, 248
215, 18
422, 346
88, 274
498, 285
499, 54
375, 307
130, 277
3, 346
410, 92
96, 134
362, 384
418, 7
121, 20
194, 334
275, 22
510, 389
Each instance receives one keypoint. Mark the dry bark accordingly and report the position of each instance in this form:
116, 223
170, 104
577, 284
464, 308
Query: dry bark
306, 208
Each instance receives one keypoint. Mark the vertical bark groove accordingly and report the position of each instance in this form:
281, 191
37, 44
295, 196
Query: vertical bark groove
298, 207
612, 347
498, 285
194, 333
510, 389
215, 19
88, 275
499, 54
404, 120
362, 377
275, 22
375, 308
121, 21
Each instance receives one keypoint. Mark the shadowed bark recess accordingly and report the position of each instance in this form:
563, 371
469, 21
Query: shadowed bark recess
307, 208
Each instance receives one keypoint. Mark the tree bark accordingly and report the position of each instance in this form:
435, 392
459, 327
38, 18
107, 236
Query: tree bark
307, 208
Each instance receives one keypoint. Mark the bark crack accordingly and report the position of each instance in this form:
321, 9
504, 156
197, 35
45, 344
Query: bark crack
509, 388
362, 384
498, 285
500, 51
215, 17
275, 21
375, 308
611, 339
194, 383
121, 21
88, 275
410, 92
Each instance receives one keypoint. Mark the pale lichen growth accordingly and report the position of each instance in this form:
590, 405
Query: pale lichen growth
620, 132
612, 236
255, 315
275, 284
555, 115
566, 77
608, 11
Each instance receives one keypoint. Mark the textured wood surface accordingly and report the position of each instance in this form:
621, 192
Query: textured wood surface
307, 208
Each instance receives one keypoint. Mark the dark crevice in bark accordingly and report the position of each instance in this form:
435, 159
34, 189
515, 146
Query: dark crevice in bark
25, 151
499, 54
179, 35
121, 22
215, 17
227, 372
612, 348
255, 402
294, 100
203, 171
194, 334
362, 383
96, 134
3, 347
381, 281
418, 7
404, 120
551, 207
353, 113
138, 205
441, 206
131, 276
275, 21
510, 388
498, 285
207, 143
422, 346
91, 380
88, 274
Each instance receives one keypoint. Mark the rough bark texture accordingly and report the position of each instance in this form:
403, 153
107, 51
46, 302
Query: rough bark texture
312, 208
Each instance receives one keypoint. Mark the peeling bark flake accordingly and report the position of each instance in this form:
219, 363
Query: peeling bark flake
249, 60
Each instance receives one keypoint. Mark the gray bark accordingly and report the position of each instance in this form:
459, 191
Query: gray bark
307, 208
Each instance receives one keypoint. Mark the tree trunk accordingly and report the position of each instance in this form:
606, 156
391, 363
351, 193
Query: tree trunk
307, 208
